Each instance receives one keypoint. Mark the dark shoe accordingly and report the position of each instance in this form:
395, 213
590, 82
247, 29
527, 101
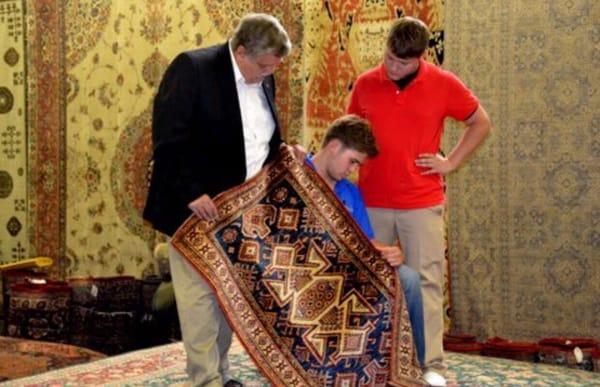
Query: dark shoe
233, 383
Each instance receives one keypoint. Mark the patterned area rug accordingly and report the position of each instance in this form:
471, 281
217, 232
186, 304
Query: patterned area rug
19, 357
165, 366
309, 297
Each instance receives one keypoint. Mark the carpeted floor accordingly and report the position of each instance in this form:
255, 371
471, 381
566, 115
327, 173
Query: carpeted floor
165, 365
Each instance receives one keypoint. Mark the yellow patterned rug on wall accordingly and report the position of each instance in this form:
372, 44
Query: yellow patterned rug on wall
14, 223
344, 38
101, 62
524, 213
116, 54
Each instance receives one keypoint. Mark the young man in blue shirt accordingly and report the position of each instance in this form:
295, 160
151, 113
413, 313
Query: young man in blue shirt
348, 142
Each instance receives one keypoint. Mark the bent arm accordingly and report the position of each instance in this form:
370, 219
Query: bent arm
478, 128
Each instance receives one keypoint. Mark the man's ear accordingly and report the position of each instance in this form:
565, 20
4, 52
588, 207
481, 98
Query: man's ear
335, 145
240, 51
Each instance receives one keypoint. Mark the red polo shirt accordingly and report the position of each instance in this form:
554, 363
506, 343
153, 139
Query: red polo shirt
407, 123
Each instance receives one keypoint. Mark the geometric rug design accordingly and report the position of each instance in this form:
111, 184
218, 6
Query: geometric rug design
310, 298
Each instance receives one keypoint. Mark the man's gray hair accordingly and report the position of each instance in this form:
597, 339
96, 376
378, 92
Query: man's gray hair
260, 34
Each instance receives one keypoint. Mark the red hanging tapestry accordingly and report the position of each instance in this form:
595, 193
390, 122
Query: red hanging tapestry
308, 295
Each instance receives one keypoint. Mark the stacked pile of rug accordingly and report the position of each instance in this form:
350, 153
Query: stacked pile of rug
572, 353
463, 343
578, 353
105, 313
21, 357
15, 277
39, 311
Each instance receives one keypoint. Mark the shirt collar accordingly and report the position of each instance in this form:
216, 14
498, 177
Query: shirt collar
239, 78
310, 162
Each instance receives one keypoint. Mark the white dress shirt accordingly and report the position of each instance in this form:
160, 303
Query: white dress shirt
257, 120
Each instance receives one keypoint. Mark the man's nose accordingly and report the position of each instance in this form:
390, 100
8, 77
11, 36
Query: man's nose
270, 70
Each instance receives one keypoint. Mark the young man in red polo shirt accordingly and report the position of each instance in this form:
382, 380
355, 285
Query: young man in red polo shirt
406, 99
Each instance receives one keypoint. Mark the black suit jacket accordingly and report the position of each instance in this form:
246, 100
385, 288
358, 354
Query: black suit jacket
197, 135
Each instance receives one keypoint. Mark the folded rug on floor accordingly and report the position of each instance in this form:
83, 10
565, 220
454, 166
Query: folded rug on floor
309, 297
22, 357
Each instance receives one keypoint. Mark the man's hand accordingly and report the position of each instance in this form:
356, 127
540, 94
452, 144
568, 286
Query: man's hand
297, 150
392, 254
434, 163
204, 208
478, 128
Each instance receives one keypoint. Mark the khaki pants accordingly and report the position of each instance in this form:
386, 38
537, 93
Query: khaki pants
206, 334
421, 235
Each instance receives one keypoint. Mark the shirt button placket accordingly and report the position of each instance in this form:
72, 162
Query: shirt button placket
399, 97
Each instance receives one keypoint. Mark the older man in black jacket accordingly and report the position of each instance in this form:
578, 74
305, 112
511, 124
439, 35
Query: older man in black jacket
214, 126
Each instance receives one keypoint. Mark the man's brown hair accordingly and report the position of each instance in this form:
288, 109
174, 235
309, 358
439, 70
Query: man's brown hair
354, 133
408, 38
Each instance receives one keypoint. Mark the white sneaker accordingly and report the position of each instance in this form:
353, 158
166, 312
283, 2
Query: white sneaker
434, 379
